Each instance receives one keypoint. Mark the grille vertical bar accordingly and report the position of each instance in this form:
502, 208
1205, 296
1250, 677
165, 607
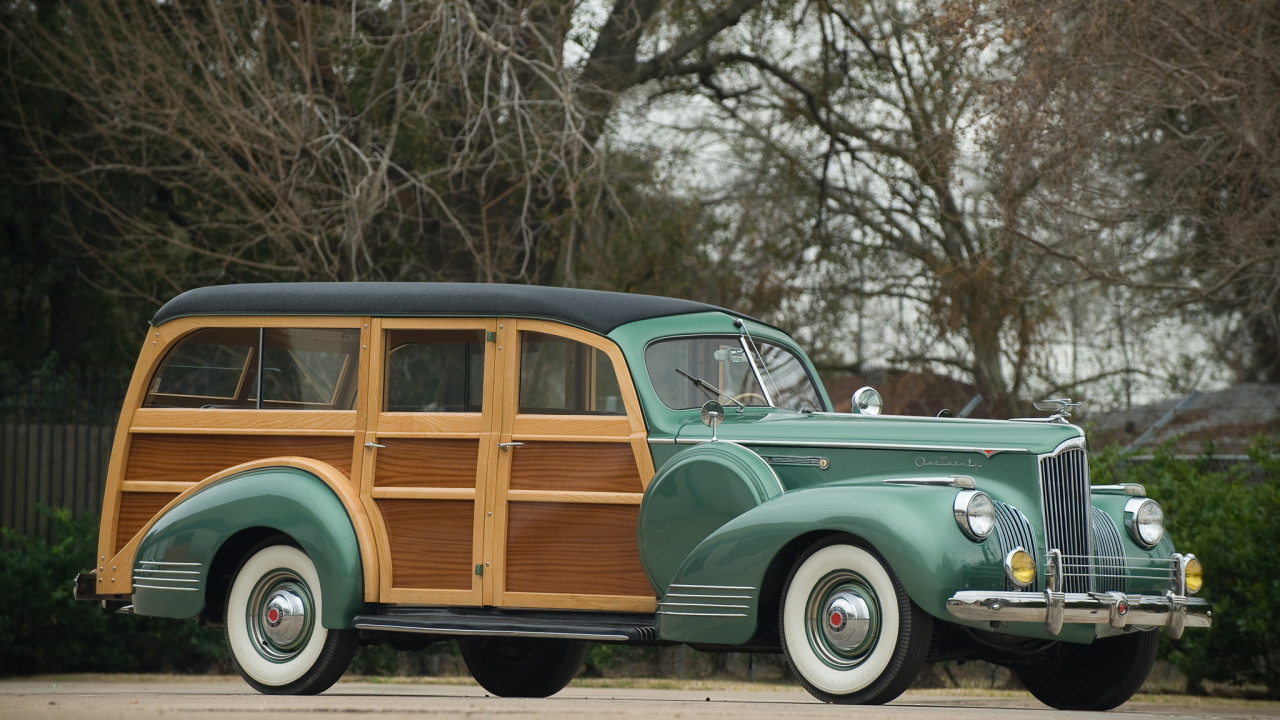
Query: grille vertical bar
1014, 531
1064, 495
1109, 563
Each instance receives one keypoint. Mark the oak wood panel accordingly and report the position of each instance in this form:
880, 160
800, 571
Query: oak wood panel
244, 422
576, 549
430, 463
191, 458
599, 467
136, 510
429, 543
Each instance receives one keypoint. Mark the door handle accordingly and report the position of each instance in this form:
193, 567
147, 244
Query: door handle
372, 444
509, 445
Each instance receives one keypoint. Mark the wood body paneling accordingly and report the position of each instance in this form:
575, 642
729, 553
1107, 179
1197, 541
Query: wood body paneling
591, 466
427, 463
430, 543
194, 457
136, 510
574, 549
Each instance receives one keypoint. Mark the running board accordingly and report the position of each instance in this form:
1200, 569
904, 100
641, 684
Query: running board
629, 628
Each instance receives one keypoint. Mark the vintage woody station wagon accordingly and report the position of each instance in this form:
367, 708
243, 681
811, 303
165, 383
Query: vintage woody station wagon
315, 466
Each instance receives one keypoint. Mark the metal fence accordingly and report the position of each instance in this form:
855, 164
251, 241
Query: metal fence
55, 444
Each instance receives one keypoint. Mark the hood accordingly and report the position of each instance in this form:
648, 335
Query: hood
782, 427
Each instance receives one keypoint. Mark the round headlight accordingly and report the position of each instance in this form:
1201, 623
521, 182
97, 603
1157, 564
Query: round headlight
1194, 575
1020, 567
975, 514
1144, 520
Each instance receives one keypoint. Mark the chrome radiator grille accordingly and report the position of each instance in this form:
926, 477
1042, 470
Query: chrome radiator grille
1064, 500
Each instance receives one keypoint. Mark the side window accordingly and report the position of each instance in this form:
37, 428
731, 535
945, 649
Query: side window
305, 368
207, 367
566, 377
434, 371
309, 369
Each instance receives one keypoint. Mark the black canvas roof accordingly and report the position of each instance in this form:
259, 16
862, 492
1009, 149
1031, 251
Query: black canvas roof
591, 309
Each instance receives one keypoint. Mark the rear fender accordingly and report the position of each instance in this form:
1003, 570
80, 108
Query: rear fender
172, 563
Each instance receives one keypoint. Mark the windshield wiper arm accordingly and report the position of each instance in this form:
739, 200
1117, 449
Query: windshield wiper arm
712, 388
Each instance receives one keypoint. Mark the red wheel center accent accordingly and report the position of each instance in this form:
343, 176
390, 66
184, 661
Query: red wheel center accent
273, 615
837, 619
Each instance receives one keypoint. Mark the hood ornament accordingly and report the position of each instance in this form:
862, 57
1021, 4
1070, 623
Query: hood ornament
1060, 407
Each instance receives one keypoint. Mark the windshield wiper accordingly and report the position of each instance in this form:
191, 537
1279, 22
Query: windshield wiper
712, 388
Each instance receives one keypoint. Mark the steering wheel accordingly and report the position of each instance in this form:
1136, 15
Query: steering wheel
744, 397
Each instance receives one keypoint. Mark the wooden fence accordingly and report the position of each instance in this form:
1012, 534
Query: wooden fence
55, 444
54, 465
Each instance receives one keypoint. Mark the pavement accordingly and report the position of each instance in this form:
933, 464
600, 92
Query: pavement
145, 697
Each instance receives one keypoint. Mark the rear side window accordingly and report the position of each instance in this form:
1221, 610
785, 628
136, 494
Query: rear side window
249, 368
434, 371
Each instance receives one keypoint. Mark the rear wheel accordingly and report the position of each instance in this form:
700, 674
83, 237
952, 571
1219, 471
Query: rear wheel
522, 667
1098, 676
849, 631
273, 625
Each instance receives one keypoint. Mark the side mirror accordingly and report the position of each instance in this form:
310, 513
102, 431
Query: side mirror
712, 415
866, 401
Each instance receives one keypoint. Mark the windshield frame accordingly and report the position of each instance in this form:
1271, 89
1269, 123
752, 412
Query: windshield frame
760, 370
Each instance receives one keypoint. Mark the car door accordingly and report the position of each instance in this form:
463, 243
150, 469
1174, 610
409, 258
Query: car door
571, 466
428, 456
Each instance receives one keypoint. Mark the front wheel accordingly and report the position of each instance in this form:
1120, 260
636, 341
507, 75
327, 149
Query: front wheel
522, 667
273, 625
1098, 676
849, 631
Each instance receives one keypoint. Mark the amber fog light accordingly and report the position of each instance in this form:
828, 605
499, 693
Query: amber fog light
1020, 567
1194, 575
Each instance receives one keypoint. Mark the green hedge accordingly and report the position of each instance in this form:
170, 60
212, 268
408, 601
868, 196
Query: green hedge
44, 630
1232, 523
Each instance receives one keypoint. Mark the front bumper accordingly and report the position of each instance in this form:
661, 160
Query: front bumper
1116, 609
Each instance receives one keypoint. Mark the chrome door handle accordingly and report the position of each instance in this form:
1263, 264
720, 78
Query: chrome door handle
509, 445
372, 444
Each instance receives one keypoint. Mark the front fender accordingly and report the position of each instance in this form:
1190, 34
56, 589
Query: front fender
911, 527
171, 567
692, 496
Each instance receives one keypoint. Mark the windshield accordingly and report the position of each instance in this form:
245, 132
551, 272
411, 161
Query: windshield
776, 377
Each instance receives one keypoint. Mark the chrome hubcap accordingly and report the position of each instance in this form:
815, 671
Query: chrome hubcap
280, 615
285, 617
843, 619
848, 621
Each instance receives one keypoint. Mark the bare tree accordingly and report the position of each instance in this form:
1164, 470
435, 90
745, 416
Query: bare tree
1153, 125
865, 124
321, 140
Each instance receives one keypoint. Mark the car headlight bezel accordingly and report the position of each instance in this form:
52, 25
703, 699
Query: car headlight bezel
1016, 564
975, 513
1144, 519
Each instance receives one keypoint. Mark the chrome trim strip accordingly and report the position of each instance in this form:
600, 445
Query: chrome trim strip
713, 597
150, 571
704, 605
157, 587
965, 482
170, 564
849, 445
695, 614
490, 633
713, 587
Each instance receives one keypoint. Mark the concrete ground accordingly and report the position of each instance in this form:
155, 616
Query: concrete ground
146, 696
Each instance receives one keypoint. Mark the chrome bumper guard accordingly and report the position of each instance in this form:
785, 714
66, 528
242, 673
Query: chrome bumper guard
1116, 609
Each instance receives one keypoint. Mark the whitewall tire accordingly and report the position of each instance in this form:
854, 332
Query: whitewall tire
849, 631
274, 633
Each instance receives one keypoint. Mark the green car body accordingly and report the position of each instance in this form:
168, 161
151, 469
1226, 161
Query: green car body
983, 536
